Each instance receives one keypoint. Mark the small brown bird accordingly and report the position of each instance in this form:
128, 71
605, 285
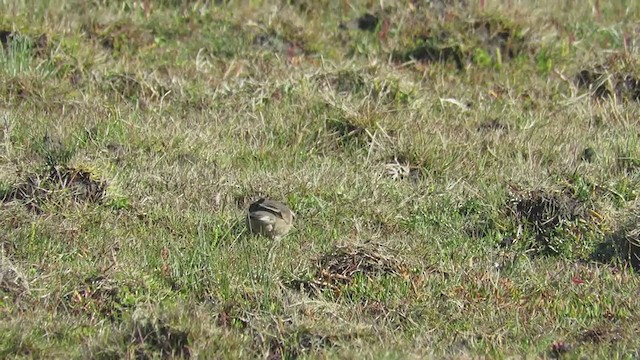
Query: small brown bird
269, 218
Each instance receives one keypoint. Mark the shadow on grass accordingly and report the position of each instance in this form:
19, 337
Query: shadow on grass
622, 245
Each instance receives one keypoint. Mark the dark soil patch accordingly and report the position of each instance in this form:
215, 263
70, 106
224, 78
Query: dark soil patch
5, 37
546, 210
341, 266
42, 186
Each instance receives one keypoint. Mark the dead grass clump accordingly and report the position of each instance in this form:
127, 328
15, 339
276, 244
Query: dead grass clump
342, 265
41, 186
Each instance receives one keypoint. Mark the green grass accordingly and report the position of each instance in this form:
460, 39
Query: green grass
465, 179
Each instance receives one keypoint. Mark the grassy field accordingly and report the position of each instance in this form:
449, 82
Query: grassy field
465, 176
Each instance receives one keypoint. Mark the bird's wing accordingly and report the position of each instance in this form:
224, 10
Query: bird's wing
263, 217
271, 207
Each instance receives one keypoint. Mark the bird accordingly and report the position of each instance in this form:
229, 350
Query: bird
270, 218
